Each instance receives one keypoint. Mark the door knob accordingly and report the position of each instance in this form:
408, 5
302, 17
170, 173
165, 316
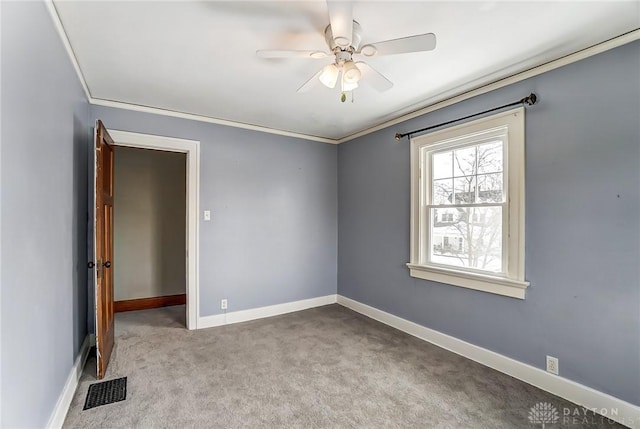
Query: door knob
91, 265
107, 264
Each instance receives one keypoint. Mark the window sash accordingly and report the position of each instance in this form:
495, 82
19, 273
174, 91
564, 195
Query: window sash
426, 183
426, 163
426, 224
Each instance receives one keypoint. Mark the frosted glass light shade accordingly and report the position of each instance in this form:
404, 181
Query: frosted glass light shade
329, 75
351, 73
349, 86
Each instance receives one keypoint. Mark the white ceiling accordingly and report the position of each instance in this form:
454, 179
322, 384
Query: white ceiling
199, 57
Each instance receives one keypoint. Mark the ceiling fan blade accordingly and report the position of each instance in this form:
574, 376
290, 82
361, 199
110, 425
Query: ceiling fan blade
283, 53
373, 77
419, 43
311, 83
341, 20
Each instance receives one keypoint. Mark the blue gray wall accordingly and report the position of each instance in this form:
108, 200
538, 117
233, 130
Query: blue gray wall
277, 205
44, 207
272, 237
582, 228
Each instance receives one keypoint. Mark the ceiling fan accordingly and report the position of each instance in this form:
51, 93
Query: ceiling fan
343, 36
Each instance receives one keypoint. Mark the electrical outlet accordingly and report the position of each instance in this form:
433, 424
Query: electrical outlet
223, 304
552, 365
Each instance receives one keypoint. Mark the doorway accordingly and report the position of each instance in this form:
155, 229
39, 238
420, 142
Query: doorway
133, 147
149, 229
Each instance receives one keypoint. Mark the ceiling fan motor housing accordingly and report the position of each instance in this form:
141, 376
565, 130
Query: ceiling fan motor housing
356, 38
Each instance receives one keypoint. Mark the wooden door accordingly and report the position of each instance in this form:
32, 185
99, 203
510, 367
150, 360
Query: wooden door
104, 248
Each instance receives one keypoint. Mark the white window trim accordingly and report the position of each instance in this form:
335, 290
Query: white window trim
512, 283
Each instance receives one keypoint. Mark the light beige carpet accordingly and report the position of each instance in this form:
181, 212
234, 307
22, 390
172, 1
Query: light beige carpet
321, 368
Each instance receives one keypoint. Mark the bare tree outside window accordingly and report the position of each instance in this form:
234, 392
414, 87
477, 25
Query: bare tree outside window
468, 190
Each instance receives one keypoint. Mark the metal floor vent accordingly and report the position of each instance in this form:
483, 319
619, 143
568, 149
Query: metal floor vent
106, 392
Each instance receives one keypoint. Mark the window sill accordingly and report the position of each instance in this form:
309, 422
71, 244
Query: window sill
485, 283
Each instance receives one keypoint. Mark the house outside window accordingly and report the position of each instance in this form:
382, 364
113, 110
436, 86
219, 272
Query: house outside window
467, 226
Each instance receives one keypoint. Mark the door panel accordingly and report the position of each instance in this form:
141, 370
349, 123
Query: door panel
105, 335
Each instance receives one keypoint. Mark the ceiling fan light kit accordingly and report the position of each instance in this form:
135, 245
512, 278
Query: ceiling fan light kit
343, 36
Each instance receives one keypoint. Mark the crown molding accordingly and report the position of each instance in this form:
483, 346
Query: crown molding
443, 100
208, 119
460, 94
165, 112
67, 45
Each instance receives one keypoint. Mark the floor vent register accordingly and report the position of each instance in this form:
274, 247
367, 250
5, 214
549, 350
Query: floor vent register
106, 392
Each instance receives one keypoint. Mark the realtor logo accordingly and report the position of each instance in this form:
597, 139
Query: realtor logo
543, 413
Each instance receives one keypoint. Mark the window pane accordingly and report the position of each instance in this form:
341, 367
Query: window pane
442, 191
490, 188
490, 158
472, 240
465, 189
442, 165
464, 161
441, 216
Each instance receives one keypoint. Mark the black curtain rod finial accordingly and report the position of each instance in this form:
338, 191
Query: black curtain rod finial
530, 100
398, 136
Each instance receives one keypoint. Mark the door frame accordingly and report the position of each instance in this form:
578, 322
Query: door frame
192, 149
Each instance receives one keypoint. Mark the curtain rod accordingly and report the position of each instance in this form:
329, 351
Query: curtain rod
529, 100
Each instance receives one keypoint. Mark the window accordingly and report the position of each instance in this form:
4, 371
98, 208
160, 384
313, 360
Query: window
467, 217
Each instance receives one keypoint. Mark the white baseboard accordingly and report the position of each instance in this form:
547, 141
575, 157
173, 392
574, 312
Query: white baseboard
601, 403
64, 400
262, 312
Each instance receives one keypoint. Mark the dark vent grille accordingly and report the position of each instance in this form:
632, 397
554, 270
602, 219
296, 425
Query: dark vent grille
106, 392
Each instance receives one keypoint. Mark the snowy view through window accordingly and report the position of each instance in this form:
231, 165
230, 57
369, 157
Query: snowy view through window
466, 207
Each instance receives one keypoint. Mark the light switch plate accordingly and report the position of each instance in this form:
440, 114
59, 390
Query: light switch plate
207, 215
